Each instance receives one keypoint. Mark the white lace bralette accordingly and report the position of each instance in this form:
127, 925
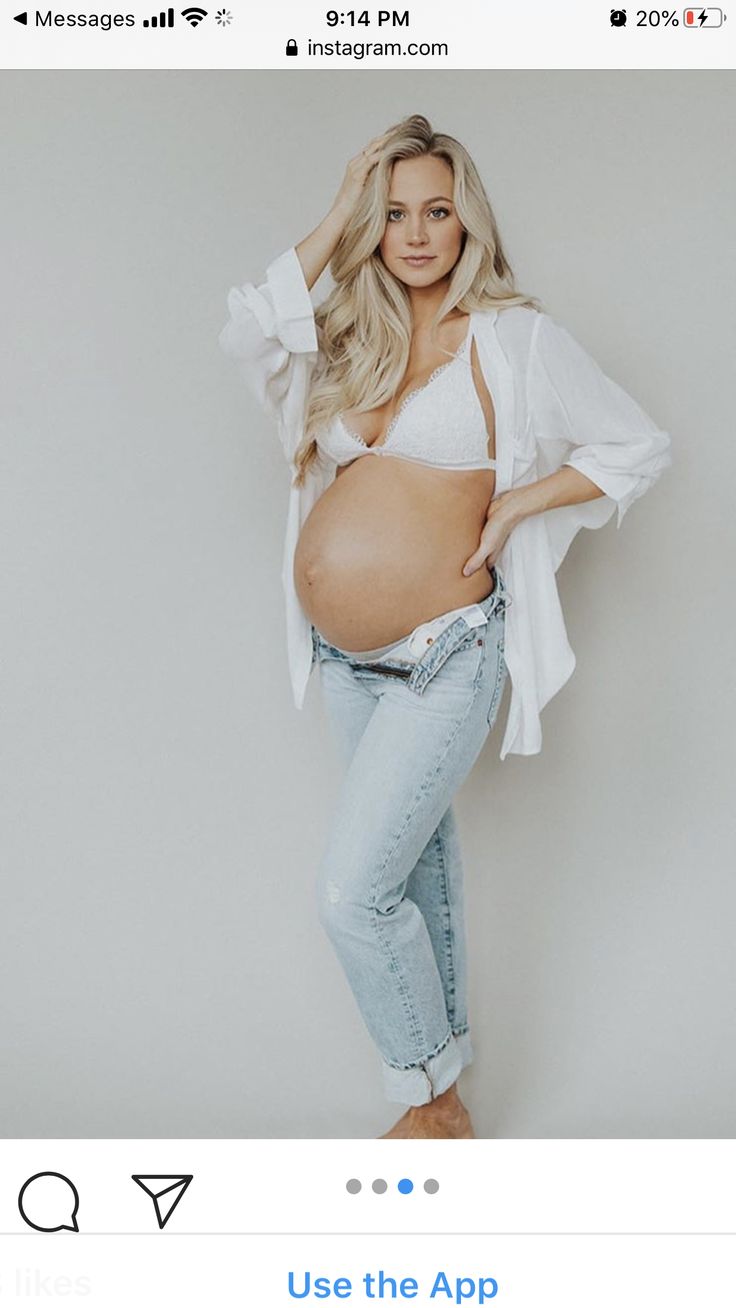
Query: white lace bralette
440, 423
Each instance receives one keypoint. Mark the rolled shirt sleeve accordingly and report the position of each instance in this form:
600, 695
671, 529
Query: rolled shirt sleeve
596, 425
269, 328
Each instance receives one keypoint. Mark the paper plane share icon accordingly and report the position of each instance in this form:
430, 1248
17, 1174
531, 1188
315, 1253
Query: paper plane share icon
166, 1191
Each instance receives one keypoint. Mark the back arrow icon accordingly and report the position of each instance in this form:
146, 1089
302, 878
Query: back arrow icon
20, 18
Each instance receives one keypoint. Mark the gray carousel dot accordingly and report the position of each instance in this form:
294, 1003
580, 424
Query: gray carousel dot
431, 1186
353, 1186
379, 1185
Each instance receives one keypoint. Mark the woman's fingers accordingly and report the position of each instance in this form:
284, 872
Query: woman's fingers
356, 174
375, 146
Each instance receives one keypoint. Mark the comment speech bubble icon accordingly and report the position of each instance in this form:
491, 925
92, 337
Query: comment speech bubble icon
49, 1201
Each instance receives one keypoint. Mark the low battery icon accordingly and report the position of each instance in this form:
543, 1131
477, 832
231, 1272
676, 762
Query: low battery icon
703, 17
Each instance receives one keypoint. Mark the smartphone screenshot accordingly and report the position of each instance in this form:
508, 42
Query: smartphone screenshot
368, 712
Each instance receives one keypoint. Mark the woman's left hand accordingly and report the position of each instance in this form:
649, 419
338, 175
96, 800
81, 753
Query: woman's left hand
500, 522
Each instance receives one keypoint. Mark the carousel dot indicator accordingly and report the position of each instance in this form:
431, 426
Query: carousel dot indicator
379, 1185
406, 1186
353, 1186
431, 1186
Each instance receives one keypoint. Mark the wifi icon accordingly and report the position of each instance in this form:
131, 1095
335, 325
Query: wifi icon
194, 15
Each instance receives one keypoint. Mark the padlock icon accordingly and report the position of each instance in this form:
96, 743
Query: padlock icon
292, 47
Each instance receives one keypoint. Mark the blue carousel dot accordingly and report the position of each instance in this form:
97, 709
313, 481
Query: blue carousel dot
406, 1186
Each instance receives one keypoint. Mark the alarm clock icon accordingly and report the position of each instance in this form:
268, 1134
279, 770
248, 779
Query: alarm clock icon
618, 18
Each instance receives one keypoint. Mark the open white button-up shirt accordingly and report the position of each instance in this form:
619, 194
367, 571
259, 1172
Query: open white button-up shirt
553, 406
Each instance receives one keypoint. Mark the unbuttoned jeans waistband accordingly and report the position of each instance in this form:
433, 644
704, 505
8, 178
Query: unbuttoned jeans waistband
420, 654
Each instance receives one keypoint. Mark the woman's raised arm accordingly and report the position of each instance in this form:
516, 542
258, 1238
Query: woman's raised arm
316, 250
271, 330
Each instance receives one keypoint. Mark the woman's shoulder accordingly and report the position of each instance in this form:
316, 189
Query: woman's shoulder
514, 325
517, 315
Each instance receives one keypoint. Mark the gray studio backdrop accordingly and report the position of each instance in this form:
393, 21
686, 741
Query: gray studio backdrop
163, 970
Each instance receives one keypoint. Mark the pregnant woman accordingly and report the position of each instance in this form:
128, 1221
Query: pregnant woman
446, 440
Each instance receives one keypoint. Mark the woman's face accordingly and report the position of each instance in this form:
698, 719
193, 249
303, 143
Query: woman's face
421, 222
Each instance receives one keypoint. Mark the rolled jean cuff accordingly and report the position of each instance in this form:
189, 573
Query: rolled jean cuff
421, 1084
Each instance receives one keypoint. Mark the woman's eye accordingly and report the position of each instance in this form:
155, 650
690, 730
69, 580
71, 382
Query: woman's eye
400, 212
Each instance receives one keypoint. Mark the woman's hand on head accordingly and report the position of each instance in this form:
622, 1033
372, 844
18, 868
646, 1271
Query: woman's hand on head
316, 250
356, 175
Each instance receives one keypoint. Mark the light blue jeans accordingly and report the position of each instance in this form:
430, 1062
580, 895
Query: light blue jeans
391, 880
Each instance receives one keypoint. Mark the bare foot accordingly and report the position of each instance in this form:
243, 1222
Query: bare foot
445, 1118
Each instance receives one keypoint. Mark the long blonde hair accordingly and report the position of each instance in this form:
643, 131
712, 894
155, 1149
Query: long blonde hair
364, 327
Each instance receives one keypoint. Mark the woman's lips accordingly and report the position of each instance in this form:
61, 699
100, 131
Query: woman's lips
416, 260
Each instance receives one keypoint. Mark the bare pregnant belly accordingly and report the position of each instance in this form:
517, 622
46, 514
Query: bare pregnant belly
384, 546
